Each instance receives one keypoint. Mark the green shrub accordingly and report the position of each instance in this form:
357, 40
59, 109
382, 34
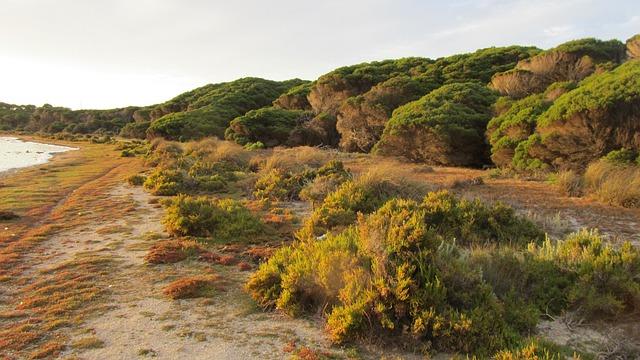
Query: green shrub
222, 220
270, 126
254, 146
277, 184
600, 91
362, 195
166, 182
622, 157
607, 280
207, 111
399, 271
536, 350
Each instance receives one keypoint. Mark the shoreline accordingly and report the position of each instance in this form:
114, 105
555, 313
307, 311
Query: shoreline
48, 156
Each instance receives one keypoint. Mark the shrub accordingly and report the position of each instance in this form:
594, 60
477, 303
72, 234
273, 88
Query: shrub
276, 184
165, 182
192, 287
223, 220
535, 350
136, 180
613, 184
230, 156
444, 127
607, 280
361, 195
208, 110
397, 272
622, 157
270, 126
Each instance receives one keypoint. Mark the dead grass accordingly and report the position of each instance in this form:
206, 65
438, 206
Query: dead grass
91, 342
613, 184
297, 158
193, 287
570, 183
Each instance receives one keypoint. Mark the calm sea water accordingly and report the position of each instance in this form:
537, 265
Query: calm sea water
15, 153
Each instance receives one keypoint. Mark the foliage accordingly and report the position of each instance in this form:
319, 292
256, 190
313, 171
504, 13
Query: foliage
522, 159
223, 220
165, 182
399, 271
601, 91
51, 119
597, 49
361, 195
622, 157
607, 281
208, 110
270, 126
279, 184
443, 123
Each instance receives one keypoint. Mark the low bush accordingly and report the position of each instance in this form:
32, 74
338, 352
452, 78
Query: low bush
622, 157
278, 184
536, 350
399, 272
136, 180
222, 220
607, 280
166, 182
192, 287
361, 195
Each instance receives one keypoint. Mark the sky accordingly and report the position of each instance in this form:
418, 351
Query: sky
111, 53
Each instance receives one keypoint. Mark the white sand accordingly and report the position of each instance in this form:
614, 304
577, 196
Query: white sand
15, 153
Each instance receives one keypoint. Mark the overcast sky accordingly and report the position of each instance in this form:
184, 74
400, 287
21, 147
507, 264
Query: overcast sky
109, 53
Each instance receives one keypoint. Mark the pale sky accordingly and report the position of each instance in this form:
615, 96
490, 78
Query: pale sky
111, 53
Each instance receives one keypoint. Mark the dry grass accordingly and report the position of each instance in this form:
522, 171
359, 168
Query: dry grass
570, 183
91, 342
613, 184
193, 287
295, 159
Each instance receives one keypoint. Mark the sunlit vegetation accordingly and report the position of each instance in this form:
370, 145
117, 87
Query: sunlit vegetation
412, 269
207, 111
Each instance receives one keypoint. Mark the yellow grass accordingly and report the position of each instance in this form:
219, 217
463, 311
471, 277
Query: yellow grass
613, 184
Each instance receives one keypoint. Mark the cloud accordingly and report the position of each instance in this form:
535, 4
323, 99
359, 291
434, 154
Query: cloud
213, 40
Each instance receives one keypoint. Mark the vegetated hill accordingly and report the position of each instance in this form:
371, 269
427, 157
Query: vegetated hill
583, 89
207, 111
